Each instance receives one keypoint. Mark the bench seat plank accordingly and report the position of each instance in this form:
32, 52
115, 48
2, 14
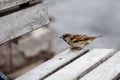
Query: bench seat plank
106, 71
52, 65
82, 65
23, 21
4, 4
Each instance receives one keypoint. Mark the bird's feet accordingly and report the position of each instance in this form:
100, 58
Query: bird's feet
75, 48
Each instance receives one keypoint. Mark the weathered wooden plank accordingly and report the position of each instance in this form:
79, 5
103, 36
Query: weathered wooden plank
106, 71
4, 4
52, 65
23, 21
82, 65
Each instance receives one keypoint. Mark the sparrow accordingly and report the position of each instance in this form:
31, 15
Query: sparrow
78, 41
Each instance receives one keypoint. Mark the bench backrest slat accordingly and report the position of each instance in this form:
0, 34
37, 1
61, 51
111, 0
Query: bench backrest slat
23, 21
4, 4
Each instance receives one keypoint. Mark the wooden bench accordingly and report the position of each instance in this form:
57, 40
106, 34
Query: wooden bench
96, 64
18, 17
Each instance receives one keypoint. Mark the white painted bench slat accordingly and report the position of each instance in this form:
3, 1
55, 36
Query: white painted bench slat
106, 71
82, 65
52, 65
4, 4
23, 21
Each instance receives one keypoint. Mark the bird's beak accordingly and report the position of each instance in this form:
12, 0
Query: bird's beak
61, 37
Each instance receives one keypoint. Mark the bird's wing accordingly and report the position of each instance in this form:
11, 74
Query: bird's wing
77, 38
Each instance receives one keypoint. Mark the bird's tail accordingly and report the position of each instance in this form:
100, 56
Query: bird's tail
99, 36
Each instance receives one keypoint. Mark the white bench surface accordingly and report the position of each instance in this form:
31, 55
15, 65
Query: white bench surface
78, 65
82, 65
51, 65
106, 71
23, 21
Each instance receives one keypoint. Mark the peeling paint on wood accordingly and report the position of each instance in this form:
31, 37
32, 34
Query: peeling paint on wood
4, 4
106, 71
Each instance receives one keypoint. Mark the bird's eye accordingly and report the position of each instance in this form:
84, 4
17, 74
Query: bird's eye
64, 36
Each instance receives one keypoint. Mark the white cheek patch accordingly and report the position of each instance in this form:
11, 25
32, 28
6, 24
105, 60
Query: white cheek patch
67, 39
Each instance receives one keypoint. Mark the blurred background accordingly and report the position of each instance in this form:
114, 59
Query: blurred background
90, 17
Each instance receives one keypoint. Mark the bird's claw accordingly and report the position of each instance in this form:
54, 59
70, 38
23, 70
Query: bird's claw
75, 48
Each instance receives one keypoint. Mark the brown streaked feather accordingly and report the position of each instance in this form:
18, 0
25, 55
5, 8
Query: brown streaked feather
78, 41
78, 37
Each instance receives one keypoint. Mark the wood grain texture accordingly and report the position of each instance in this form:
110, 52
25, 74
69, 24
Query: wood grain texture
106, 71
82, 65
23, 21
51, 66
4, 4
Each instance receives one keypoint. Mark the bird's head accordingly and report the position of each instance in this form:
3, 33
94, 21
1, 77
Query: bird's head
66, 37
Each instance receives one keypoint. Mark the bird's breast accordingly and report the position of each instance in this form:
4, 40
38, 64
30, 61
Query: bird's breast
77, 44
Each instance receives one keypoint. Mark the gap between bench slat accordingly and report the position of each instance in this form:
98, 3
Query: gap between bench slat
106, 71
82, 65
49, 67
